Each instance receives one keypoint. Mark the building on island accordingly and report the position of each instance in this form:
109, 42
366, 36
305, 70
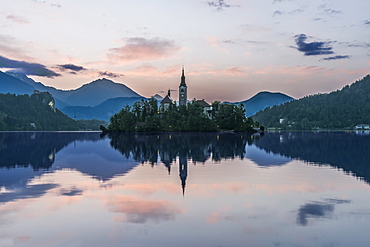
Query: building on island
183, 90
207, 108
183, 98
362, 127
165, 103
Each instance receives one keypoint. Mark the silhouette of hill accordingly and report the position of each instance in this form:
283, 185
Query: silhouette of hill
10, 84
35, 112
262, 100
96, 92
102, 111
90, 94
99, 99
343, 108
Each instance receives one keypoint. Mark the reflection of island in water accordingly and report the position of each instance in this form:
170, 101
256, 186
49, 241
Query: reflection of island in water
37, 150
344, 150
166, 147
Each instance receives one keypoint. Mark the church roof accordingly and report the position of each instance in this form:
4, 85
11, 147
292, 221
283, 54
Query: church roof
166, 99
202, 103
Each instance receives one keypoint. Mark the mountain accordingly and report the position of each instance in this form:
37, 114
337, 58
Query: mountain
102, 111
10, 84
157, 97
40, 87
96, 92
262, 100
90, 94
343, 108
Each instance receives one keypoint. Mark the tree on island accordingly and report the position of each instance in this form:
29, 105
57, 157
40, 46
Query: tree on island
146, 116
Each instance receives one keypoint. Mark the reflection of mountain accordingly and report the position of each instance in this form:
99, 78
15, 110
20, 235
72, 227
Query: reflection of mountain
346, 151
36, 149
95, 159
261, 158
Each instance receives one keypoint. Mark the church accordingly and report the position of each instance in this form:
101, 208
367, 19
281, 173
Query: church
183, 98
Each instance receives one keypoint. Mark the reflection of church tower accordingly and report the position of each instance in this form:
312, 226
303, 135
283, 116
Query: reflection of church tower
183, 171
183, 90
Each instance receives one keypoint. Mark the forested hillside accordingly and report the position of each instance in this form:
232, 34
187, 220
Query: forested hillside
35, 112
344, 108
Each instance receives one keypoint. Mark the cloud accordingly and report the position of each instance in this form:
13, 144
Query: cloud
367, 22
220, 5
296, 11
110, 74
217, 44
336, 57
313, 48
229, 71
333, 11
277, 12
17, 19
26, 68
10, 46
56, 5
143, 49
71, 68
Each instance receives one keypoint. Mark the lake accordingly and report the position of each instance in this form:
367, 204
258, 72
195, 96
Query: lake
192, 189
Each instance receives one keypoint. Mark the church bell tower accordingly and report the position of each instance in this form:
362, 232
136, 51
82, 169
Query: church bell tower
183, 90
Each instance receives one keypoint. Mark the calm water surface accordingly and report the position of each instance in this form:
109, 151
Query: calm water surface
277, 189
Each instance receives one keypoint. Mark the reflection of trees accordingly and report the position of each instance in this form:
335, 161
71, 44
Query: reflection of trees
195, 146
346, 151
36, 149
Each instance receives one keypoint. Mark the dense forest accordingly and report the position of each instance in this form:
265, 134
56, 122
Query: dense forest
36, 112
146, 116
342, 109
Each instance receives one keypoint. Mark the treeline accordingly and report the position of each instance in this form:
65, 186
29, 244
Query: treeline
146, 116
341, 109
36, 112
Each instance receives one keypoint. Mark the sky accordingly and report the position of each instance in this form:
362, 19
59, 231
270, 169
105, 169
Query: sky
230, 49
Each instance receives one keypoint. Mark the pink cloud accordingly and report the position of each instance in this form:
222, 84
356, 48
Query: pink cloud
17, 19
141, 49
217, 44
11, 47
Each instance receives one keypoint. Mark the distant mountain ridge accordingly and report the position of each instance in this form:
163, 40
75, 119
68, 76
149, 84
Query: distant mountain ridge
345, 108
102, 98
93, 100
96, 92
262, 100
90, 94
102, 111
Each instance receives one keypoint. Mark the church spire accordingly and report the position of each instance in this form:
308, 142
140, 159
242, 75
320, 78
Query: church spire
183, 90
183, 78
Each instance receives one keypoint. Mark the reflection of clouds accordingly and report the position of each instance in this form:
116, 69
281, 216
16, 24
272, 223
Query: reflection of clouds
216, 217
317, 210
313, 210
71, 192
140, 211
31, 191
337, 201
